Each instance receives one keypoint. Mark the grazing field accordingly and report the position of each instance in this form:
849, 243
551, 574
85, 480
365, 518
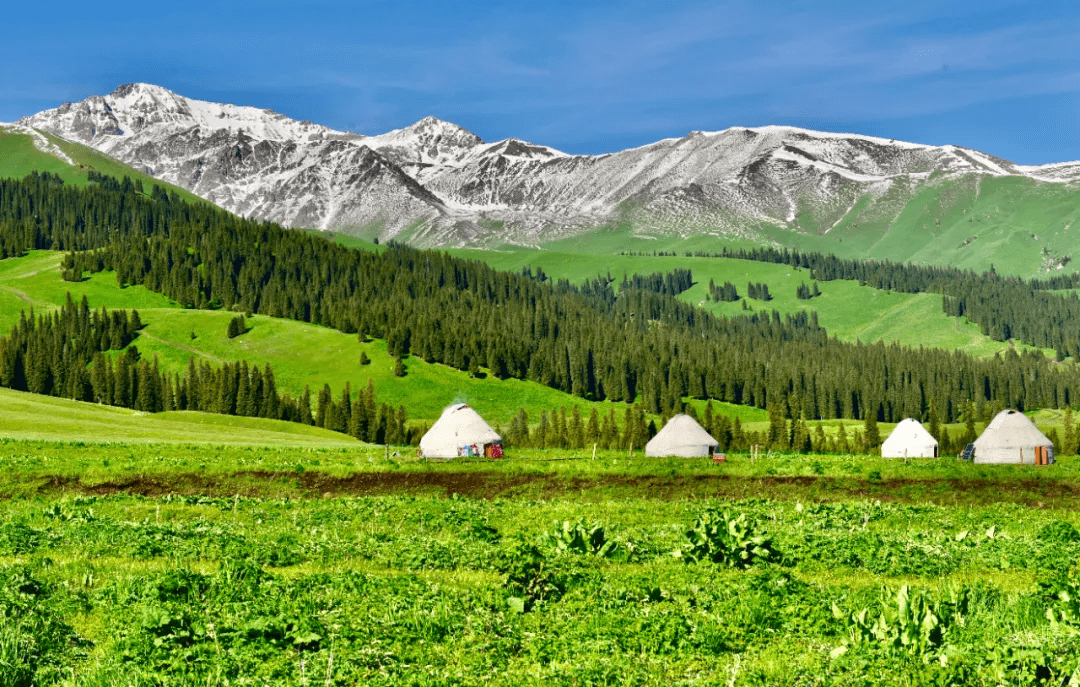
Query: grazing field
32, 416
173, 564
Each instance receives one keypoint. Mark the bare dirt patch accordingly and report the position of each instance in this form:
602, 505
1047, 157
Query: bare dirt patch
313, 484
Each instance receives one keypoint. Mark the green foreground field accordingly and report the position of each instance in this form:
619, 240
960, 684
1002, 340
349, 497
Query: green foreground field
176, 564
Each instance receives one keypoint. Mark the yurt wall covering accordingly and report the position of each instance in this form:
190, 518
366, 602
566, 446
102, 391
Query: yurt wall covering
681, 436
1012, 438
909, 440
459, 431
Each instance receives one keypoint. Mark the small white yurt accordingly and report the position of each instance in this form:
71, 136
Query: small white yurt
460, 431
681, 436
1012, 438
910, 440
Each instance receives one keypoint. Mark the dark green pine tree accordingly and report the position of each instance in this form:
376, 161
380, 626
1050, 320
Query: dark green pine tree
344, 411
540, 436
575, 429
592, 429
518, 433
304, 407
871, 434
934, 422
609, 431
323, 407
777, 438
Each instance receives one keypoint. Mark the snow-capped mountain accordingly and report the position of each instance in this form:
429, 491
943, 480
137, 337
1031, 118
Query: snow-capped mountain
448, 187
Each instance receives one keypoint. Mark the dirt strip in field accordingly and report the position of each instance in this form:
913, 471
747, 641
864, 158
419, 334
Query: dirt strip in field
1031, 492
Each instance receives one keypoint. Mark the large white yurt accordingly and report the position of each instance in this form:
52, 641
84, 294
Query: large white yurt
460, 431
910, 440
681, 436
1012, 438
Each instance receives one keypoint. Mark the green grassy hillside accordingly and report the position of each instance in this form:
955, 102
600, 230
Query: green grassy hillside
19, 157
303, 354
300, 354
30, 416
1018, 225
846, 309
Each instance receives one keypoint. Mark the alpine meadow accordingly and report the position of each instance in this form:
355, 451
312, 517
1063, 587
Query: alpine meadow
283, 404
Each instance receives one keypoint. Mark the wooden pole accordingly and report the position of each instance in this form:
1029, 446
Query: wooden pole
594, 451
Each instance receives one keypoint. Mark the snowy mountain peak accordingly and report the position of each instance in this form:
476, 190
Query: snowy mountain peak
450, 187
430, 141
518, 149
129, 89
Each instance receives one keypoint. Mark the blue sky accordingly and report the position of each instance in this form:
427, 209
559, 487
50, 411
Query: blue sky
584, 77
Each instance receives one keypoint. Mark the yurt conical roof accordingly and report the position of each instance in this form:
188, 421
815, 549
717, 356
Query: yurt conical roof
1009, 438
681, 436
909, 439
458, 426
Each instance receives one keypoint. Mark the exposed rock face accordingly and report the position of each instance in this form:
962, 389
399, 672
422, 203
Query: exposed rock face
445, 186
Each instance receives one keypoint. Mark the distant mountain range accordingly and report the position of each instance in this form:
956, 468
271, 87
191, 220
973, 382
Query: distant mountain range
434, 183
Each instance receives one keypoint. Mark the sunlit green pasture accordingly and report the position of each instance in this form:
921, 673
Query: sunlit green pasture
32, 416
178, 564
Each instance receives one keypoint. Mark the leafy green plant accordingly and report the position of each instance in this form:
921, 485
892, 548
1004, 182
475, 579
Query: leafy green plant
911, 621
530, 577
17, 538
580, 537
1059, 532
732, 541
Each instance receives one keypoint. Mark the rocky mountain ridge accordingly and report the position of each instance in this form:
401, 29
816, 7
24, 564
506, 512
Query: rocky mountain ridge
435, 183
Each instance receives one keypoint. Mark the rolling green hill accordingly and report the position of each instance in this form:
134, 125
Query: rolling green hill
300, 354
19, 157
1018, 225
304, 354
846, 309
31, 416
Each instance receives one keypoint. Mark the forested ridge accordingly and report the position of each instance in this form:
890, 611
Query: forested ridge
63, 354
588, 341
1004, 307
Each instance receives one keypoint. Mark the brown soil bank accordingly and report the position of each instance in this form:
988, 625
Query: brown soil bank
1031, 492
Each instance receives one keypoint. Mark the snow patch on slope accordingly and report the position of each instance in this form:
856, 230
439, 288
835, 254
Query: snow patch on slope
41, 142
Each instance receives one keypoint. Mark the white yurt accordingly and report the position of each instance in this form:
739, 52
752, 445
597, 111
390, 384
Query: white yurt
460, 431
1012, 438
910, 440
681, 436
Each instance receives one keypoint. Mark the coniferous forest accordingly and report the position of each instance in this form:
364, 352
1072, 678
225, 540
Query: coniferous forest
63, 354
637, 344
1004, 307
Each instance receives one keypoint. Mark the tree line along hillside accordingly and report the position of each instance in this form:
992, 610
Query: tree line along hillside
64, 354
1004, 307
588, 341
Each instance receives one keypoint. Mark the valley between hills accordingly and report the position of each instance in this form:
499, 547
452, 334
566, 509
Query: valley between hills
228, 332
